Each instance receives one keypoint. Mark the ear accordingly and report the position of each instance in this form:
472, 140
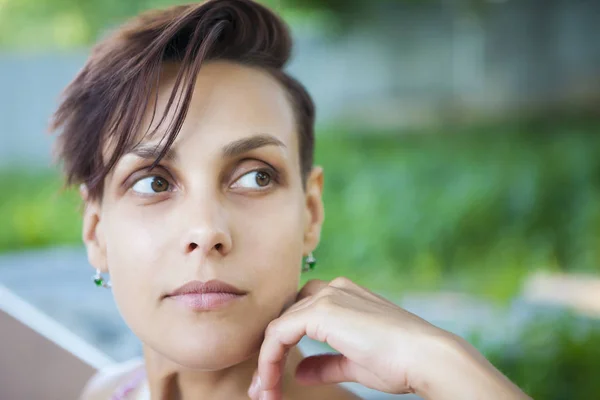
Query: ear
92, 234
315, 213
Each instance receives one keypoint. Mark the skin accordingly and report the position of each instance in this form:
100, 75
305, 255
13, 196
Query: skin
213, 222
206, 213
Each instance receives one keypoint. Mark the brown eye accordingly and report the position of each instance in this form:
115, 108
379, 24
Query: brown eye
262, 179
159, 184
254, 180
151, 185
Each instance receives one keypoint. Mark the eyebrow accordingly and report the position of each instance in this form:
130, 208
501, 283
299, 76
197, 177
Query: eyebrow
233, 149
152, 151
245, 145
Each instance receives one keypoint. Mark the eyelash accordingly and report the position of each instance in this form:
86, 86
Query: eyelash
146, 172
269, 170
273, 174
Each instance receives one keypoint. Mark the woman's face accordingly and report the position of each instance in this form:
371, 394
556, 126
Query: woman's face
227, 203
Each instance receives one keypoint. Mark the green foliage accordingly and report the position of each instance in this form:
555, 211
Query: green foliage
474, 210
64, 24
554, 358
39, 24
35, 211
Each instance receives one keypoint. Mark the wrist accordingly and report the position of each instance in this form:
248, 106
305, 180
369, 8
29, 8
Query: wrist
440, 354
451, 368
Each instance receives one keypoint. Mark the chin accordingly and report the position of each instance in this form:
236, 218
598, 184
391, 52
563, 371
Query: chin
211, 351
213, 357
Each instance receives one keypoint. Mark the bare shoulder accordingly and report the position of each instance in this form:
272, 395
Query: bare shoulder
105, 382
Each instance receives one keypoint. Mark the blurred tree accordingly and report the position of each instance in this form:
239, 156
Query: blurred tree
40, 24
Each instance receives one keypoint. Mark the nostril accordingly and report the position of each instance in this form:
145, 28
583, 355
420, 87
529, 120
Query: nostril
193, 246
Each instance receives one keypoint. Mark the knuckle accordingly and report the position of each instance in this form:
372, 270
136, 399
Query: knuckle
327, 292
272, 329
341, 282
324, 303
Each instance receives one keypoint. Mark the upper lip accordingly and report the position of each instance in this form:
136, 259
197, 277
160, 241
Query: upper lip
212, 286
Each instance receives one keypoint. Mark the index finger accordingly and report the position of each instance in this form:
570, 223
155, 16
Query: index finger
311, 288
281, 335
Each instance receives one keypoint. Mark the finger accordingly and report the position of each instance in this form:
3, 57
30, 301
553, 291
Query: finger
282, 334
325, 369
311, 288
348, 285
342, 282
274, 373
273, 394
307, 294
254, 389
298, 305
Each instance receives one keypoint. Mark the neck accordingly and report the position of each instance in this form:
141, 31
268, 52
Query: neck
170, 381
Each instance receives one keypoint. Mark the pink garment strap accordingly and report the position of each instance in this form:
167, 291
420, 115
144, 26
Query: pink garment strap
125, 390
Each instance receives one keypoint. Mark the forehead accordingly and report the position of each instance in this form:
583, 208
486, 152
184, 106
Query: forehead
229, 102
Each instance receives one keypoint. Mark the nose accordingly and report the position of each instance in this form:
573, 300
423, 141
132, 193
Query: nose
206, 232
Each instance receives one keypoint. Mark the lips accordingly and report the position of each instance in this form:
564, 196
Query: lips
213, 286
205, 296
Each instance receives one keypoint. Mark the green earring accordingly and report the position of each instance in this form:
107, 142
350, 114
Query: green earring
99, 280
309, 263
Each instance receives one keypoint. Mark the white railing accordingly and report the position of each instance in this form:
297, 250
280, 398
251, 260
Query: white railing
39, 358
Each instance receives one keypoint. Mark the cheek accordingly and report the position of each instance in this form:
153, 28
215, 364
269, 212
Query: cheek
135, 239
270, 241
136, 243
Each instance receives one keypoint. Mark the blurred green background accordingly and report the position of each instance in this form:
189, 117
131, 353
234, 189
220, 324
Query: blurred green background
474, 197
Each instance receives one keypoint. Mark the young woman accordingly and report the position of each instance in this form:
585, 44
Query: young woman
194, 152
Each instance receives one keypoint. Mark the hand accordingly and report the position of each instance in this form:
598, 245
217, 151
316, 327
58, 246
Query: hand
381, 346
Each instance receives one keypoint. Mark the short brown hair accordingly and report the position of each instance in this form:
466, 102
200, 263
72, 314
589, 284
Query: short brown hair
107, 99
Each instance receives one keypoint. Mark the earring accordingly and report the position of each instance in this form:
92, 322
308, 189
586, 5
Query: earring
309, 263
99, 280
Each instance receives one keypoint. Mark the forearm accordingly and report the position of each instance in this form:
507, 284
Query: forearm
463, 373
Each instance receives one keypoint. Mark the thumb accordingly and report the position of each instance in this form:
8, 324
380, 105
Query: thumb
325, 369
